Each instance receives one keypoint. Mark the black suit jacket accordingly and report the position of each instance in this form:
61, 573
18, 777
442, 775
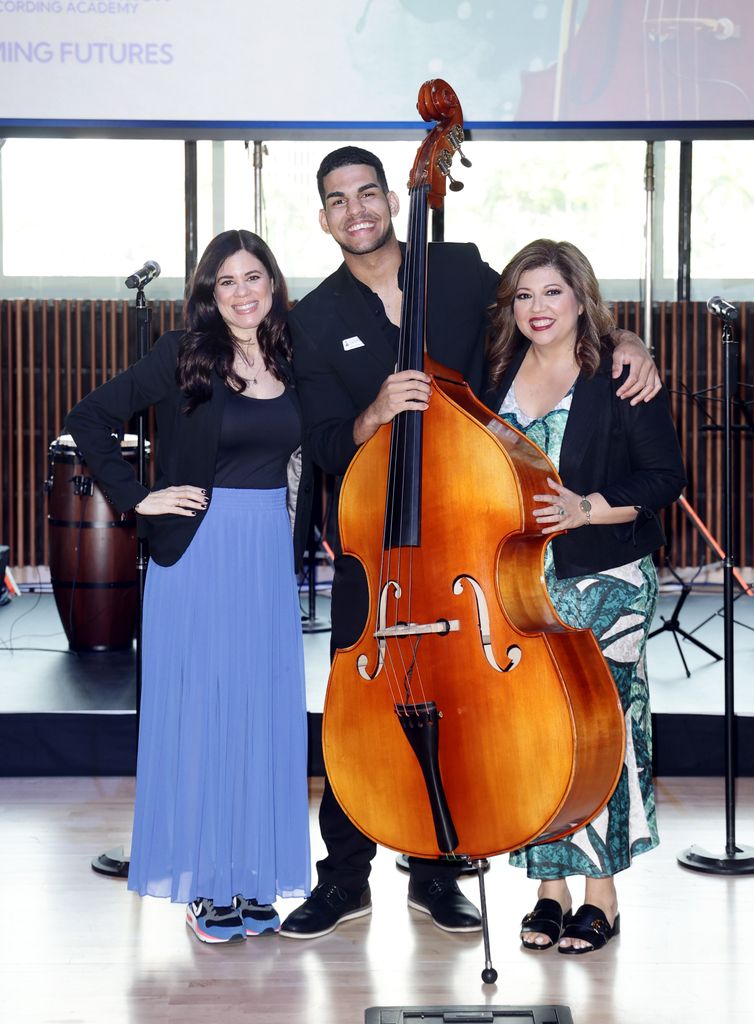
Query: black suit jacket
628, 453
186, 450
341, 356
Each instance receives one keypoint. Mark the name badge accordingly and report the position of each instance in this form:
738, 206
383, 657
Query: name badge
351, 343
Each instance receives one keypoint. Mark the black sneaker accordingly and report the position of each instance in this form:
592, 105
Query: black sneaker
445, 903
258, 918
327, 907
214, 924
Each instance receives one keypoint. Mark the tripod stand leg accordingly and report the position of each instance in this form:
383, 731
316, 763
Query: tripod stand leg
680, 652
699, 644
673, 626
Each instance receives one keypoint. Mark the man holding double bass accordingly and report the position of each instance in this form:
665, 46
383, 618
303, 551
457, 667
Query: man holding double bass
345, 339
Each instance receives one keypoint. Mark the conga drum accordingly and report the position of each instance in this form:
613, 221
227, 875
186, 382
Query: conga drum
92, 553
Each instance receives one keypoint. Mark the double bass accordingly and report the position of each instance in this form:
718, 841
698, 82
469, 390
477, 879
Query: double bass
468, 719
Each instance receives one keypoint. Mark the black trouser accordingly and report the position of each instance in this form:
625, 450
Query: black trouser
349, 851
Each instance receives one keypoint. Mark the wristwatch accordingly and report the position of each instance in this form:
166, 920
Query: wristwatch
586, 507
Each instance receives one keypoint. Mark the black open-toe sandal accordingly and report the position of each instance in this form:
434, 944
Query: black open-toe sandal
548, 919
589, 924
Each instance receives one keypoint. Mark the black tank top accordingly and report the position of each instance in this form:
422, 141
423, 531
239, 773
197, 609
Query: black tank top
257, 438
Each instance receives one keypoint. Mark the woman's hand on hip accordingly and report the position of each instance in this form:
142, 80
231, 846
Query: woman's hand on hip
176, 501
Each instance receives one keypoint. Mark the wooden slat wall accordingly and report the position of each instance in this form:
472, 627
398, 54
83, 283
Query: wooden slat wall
51, 353
689, 353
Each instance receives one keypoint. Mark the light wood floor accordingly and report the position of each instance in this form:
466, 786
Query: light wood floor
78, 948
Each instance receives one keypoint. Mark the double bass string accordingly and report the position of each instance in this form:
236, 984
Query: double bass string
413, 340
400, 673
401, 694
419, 206
392, 672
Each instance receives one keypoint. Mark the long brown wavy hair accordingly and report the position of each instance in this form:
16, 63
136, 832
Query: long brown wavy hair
594, 323
208, 345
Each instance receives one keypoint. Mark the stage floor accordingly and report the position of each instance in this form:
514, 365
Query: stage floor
77, 948
38, 673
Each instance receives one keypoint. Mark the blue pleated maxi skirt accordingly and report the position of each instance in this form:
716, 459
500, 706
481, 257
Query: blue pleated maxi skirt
221, 788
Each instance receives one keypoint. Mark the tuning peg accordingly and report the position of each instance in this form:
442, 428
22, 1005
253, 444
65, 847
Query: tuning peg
455, 137
444, 161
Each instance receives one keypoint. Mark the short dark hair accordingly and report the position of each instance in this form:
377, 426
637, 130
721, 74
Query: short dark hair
347, 156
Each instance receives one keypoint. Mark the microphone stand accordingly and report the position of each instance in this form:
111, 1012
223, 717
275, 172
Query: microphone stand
737, 859
114, 863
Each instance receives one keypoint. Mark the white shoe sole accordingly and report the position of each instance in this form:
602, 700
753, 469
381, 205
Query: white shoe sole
203, 936
425, 910
350, 916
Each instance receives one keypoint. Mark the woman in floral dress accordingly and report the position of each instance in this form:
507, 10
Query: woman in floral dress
550, 359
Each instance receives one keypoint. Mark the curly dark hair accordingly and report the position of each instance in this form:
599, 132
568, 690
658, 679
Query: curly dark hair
208, 344
594, 323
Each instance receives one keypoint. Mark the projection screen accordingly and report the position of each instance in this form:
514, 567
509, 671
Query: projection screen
245, 69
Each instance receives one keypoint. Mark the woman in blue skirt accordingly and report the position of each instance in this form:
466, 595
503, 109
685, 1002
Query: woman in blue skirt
551, 369
221, 814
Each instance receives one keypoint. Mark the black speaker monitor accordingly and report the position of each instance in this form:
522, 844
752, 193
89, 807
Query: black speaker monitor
468, 1015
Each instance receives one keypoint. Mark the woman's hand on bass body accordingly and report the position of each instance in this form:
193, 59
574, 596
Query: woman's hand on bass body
560, 510
176, 501
566, 510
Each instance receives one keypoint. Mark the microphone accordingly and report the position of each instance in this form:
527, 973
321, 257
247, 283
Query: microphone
719, 307
145, 274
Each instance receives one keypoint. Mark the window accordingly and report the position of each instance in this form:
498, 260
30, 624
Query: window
79, 215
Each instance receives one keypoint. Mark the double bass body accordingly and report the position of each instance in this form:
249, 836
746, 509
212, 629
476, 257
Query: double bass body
467, 718
527, 716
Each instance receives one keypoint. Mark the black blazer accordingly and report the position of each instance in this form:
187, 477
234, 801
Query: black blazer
186, 448
338, 378
628, 453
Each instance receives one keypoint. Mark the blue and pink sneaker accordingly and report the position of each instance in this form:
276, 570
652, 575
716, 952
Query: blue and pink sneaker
258, 918
215, 924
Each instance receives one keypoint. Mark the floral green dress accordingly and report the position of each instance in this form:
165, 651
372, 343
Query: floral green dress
618, 606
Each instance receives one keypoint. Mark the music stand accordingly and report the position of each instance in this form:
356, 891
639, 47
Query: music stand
745, 588
672, 625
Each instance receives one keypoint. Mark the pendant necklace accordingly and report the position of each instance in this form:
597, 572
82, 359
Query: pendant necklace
249, 380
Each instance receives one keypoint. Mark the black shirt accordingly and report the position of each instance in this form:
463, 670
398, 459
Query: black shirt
257, 437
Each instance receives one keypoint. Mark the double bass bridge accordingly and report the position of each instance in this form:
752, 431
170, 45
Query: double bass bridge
441, 627
399, 631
